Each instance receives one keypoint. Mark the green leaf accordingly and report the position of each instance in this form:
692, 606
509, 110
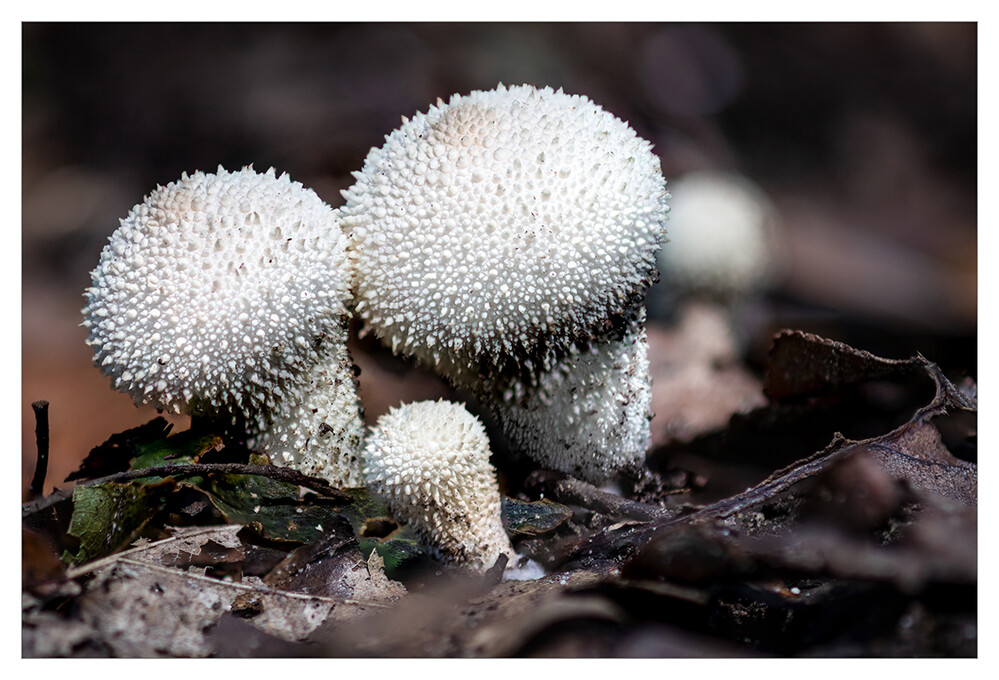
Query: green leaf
275, 509
149, 445
363, 507
400, 550
184, 447
115, 454
531, 519
108, 517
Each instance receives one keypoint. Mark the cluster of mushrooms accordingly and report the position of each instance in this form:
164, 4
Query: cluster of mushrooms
505, 238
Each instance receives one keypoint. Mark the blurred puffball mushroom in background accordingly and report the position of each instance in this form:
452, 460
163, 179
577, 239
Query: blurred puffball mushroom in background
429, 461
723, 254
722, 241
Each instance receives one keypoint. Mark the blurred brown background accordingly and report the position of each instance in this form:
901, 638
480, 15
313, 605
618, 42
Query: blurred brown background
863, 135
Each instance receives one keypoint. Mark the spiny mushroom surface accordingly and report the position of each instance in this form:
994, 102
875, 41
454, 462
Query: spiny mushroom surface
502, 226
429, 461
215, 295
320, 431
588, 416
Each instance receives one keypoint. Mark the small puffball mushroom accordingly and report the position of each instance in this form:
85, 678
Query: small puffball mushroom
429, 462
320, 433
497, 229
218, 293
720, 236
588, 416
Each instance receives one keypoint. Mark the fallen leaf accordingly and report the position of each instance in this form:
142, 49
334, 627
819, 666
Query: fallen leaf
533, 518
107, 517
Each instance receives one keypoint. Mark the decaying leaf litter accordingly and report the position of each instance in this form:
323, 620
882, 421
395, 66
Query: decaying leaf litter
838, 518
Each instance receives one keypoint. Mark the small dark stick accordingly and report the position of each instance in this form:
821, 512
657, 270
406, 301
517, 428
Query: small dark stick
41, 409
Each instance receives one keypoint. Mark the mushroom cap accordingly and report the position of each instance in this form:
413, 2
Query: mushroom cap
503, 223
721, 226
216, 293
319, 431
589, 415
429, 461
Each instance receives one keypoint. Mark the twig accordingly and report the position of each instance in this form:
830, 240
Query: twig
82, 569
41, 409
126, 557
572, 491
947, 396
281, 474
249, 587
320, 486
765, 491
779, 481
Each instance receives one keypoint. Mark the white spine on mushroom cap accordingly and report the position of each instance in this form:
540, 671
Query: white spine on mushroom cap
720, 228
500, 222
588, 416
429, 461
321, 430
216, 293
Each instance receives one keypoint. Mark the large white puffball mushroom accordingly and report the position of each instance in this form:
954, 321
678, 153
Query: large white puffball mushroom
589, 416
720, 235
320, 431
502, 226
217, 293
429, 462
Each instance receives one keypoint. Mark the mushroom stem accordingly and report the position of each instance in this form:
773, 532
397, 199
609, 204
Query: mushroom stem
588, 416
319, 430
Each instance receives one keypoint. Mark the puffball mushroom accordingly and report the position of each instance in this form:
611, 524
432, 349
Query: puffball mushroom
589, 415
220, 294
721, 227
495, 230
429, 462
